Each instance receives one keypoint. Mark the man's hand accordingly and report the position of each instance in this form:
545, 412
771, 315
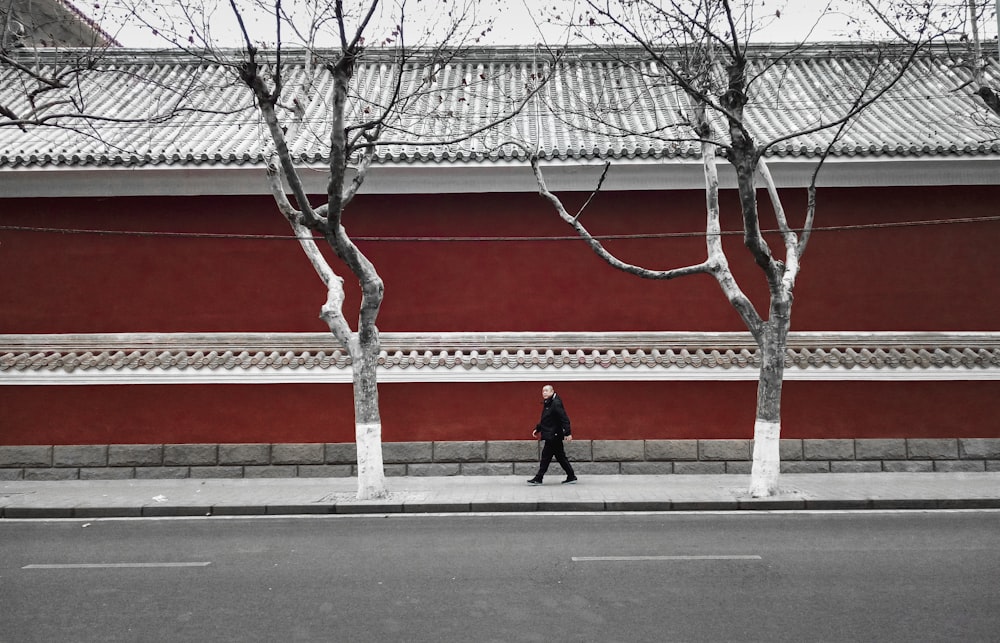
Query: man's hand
569, 438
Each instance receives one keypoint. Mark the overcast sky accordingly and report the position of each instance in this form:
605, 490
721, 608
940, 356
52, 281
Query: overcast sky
517, 22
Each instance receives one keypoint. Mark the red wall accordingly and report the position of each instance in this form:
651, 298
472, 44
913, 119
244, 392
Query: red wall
899, 278
417, 412
912, 278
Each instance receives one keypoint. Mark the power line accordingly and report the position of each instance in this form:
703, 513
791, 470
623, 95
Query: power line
599, 237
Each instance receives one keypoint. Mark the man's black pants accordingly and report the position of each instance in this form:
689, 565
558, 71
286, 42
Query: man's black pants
554, 449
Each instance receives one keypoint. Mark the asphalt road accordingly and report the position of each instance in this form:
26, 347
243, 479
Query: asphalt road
864, 576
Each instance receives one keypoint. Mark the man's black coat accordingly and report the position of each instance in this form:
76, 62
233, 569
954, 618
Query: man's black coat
554, 424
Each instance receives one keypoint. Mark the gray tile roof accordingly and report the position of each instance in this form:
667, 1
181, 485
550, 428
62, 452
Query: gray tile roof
176, 111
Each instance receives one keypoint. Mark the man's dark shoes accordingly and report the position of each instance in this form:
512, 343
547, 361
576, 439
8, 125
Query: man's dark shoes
570, 480
534, 481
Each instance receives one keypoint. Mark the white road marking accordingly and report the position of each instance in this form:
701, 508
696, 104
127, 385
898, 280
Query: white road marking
591, 559
115, 565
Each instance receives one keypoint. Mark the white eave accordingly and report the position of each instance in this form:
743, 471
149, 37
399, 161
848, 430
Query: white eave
494, 176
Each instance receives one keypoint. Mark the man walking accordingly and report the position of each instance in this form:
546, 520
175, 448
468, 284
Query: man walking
553, 428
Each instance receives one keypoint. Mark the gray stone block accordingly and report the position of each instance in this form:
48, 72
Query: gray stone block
83, 455
459, 451
712, 450
249, 454
648, 468
955, 466
51, 473
907, 466
979, 448
856, 466
391, 470
671, 450
512, 451
586, 469
828, 449
162, 473
433, 469
190, 455
297, 453
325, 470
619, 450
932, 449
270, 471
699, 468
25, 456
525, 468
740, 467
216, 472
806, 466
107, 473
991, 465
790, 449
880, 449
487, 468
11, 474
576, 451
408, 452
344, 452
135, 455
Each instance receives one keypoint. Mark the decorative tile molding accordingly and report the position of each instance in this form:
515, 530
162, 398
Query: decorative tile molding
491, 357
503, 457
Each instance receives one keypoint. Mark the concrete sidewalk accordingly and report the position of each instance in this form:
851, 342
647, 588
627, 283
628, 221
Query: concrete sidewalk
228, 497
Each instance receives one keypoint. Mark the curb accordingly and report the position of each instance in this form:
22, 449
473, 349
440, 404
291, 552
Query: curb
586, 506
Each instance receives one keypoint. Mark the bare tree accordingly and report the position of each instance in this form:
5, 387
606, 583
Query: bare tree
324, 100
695, 54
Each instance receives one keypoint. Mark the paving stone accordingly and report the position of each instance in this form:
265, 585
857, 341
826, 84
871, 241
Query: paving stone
828, 449
407, 452
512, 451
190, 454
618, 450
671, 450
712, 450
979, 448
474, 451
932, 449
25, 456
83, 455
297, 453
249, 454
135, 455
880, 449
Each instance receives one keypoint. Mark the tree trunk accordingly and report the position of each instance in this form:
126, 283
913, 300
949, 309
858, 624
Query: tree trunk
367, 420
773, 343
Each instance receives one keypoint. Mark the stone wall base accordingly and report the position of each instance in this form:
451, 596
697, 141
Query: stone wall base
479, 458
